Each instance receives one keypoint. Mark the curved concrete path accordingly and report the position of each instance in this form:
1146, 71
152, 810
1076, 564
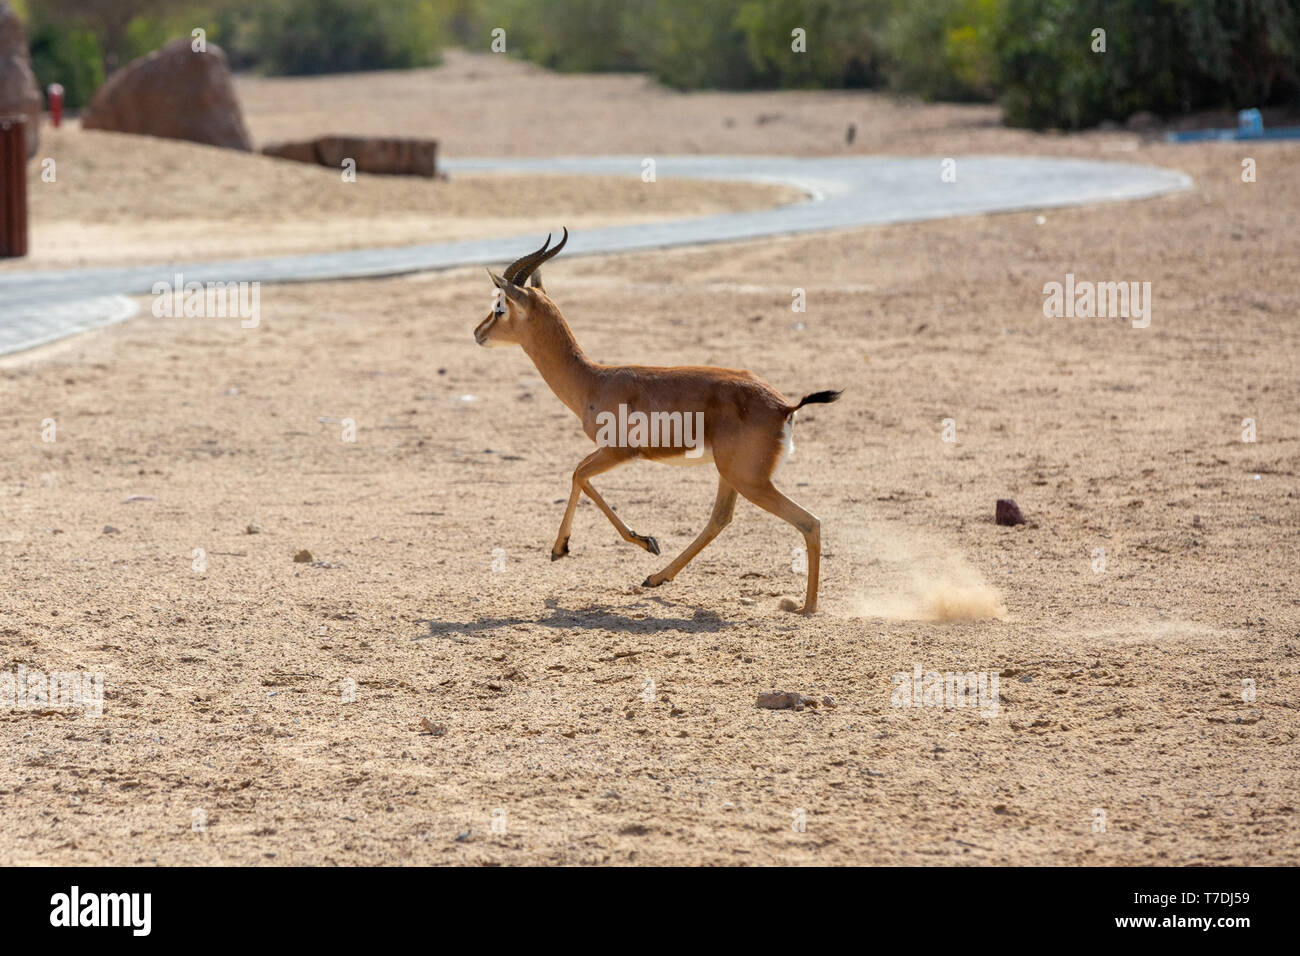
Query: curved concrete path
843, 192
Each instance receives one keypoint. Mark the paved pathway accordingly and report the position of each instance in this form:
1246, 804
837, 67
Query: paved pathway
844, 192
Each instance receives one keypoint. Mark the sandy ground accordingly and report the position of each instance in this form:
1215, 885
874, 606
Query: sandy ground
603, 723
117, 200
491, 105
497, 106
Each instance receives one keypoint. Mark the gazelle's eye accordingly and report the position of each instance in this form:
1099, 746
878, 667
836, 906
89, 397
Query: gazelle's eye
498, 303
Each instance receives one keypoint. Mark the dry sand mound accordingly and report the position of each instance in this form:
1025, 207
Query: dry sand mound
119, 199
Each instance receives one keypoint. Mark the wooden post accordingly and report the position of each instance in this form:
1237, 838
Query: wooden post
13, 186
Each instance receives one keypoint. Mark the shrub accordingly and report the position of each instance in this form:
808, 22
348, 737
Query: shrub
1165, 56
69, 56
573, 36
841, 46
692, 46
337, 36
944, 50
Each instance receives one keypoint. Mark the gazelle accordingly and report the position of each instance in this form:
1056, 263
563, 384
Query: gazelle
746, 423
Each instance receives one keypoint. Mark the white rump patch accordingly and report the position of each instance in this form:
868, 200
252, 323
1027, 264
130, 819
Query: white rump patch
787, 441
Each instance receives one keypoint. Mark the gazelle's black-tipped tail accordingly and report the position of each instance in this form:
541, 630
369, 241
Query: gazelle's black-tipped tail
818, 398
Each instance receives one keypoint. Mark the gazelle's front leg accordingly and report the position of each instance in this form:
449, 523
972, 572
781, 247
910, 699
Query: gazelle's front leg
600, 460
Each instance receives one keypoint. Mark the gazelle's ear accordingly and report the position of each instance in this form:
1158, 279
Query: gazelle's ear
514, 292
536, 281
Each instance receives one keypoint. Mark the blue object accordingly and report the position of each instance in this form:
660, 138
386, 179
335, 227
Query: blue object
1250, 125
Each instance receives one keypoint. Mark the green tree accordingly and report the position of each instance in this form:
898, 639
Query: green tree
840, 39
336, 36
69, 56
1165, 56
945, 49
108, 20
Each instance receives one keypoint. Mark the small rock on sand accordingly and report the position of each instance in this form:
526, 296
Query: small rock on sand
784, 700
303, 557
1008, 512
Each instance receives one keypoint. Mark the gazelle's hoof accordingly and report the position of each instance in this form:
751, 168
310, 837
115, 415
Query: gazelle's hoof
648, 583
647, 541
564, 549
788, 604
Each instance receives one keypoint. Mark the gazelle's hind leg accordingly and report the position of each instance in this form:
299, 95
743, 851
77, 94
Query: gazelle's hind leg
765, 495
600, 460
723, 508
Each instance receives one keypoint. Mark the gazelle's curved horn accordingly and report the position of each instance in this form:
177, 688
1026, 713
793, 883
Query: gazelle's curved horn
534, 262
512, 271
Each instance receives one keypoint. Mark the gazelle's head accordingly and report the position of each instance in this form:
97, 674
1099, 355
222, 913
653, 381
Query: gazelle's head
518, 291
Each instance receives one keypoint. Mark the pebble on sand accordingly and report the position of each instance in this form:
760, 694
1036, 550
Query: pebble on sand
784, 700
1008, 512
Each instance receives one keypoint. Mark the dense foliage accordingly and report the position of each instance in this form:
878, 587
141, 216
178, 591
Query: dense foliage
1039, 58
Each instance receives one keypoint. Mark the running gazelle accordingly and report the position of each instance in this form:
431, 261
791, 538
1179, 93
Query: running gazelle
746, 422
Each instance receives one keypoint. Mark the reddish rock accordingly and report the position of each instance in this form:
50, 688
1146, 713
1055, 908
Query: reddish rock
386, 155
19, 93
411, 157
175, 93
1008, 512
298, 152
785, 700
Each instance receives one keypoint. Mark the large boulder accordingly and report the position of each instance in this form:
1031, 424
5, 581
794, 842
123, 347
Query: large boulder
18, 90
175, 93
